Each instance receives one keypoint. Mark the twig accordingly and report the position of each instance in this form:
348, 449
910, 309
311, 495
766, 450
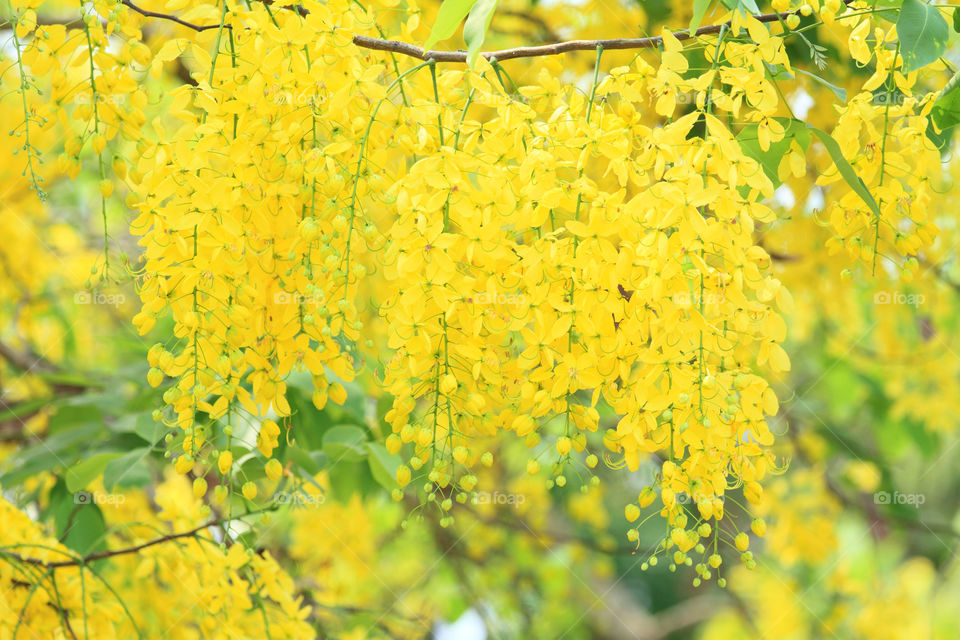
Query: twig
171, 18
99, 555
862, 502
66, 620
407, 49
25, 361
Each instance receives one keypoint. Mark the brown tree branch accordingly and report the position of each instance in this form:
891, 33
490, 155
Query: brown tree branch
171, 18
414, 51
25, 360
407, 49
100, 555
630, 621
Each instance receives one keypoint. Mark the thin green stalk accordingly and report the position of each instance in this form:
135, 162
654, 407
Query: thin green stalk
356, 177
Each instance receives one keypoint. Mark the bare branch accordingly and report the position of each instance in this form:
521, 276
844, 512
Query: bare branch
99, 555
25, 360
408, 49
171, 18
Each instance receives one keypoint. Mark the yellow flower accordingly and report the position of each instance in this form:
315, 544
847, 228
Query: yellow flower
273, 469
224, 462
268, 437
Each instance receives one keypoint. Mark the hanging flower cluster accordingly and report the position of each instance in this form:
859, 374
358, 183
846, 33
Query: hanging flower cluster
513, 258
530, 252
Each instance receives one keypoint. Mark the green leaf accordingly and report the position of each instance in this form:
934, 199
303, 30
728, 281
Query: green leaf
149, 429
128, 470
86, 471
51, 453
311, 463
25, 408
354, 409
833, 148
86, 530
840, 92
383, 465
945, 113
308, 424
946, 109
141, 424
475, 28
940, 139
123, 424
956, 20
352, 478
843, 390
770, 159
26, 469
926, 442
745, 6
888, 10
699, 10
71, 415
923, 34
345, 442
451, 14
78, 522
